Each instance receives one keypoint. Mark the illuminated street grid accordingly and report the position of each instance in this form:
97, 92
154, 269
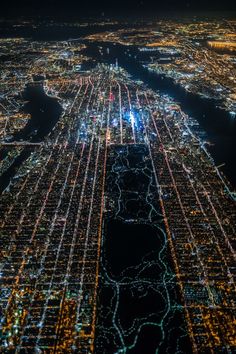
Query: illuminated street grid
50, 262
199, 55
22, 61
51, 219
199, 219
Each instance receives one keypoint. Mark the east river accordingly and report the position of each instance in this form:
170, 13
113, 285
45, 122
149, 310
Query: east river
216, 125
138, 300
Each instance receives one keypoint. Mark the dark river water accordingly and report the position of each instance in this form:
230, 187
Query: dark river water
139, 302
44, 113
217, 125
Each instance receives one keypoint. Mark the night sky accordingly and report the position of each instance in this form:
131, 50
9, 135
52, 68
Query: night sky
110, 7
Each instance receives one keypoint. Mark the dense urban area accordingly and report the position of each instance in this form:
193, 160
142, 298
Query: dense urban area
82, 142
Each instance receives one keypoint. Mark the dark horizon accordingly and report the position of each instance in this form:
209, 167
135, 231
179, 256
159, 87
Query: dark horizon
105, 8
117, 177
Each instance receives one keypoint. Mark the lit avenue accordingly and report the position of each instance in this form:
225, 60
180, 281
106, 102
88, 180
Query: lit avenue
89, 153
